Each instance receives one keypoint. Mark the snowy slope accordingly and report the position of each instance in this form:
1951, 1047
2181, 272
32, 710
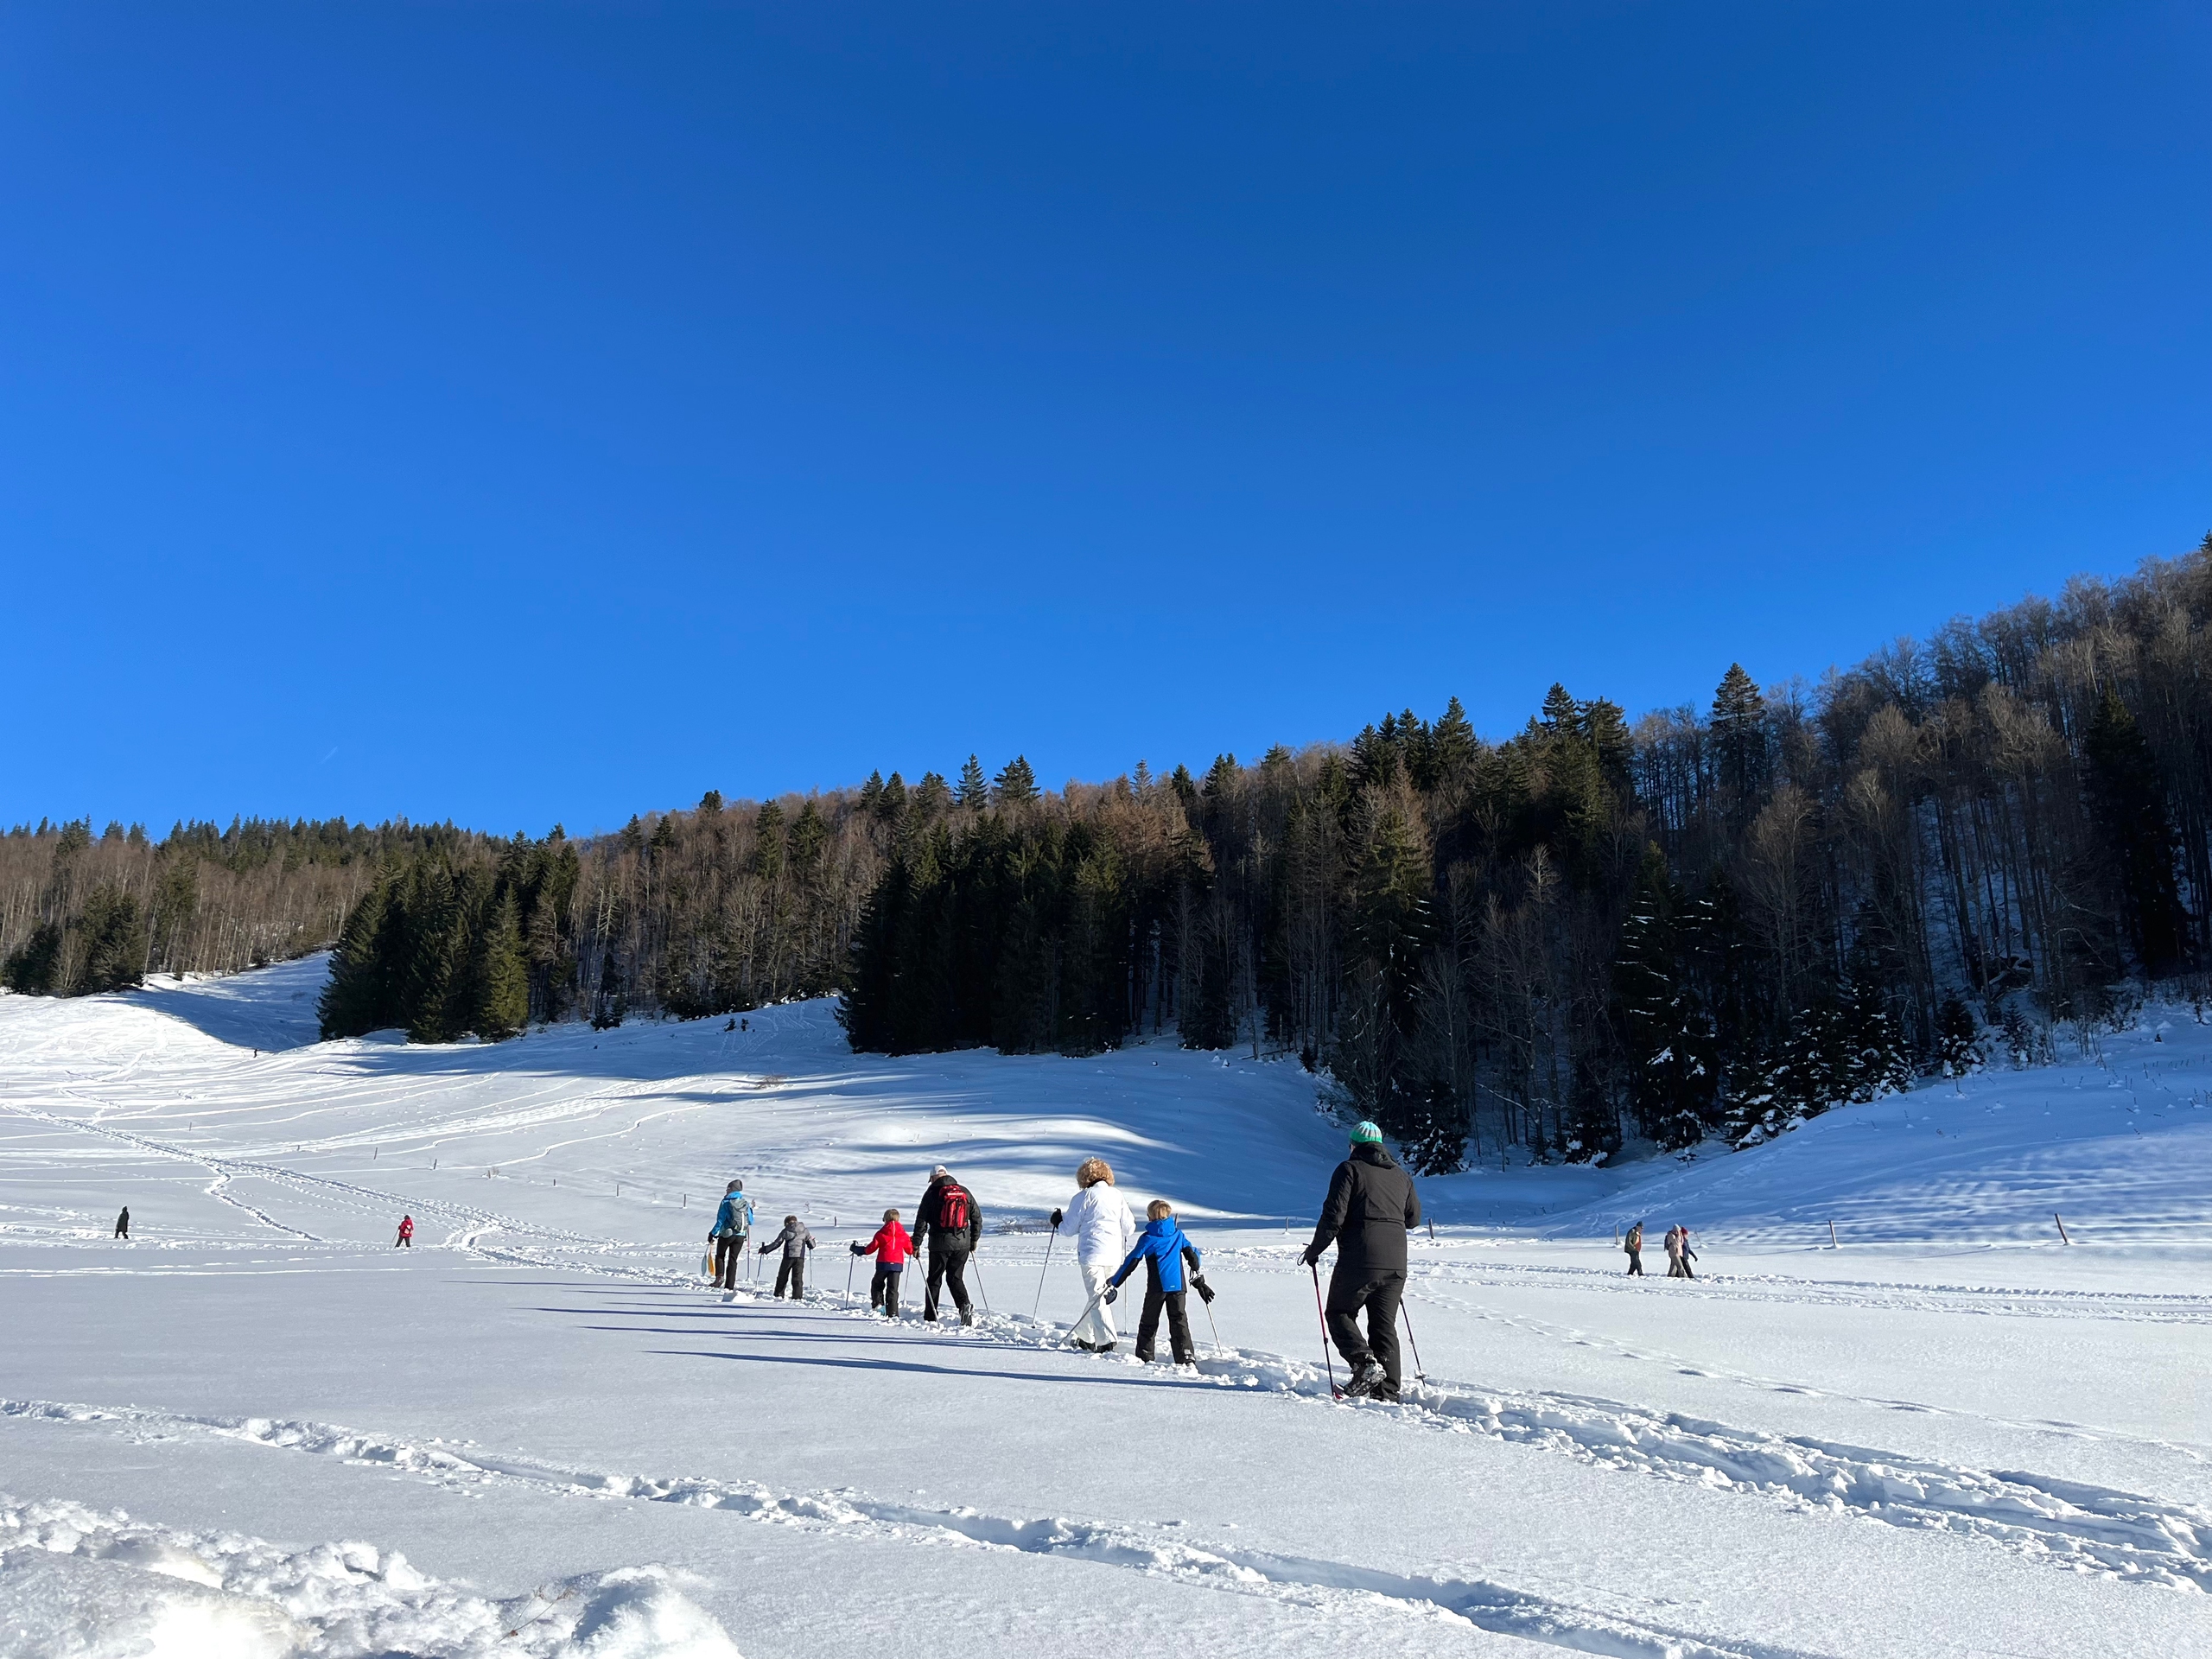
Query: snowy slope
1953, 1435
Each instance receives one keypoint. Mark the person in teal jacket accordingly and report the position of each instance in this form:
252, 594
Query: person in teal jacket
733, 1226
1163, 1247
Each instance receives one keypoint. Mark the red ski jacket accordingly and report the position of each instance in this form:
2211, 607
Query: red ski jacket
891, 1246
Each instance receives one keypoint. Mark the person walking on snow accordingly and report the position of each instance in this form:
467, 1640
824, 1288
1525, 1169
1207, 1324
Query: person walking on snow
795, 1241
1163, 1247
1688, 1254
1105, 1232
890, 1247
406, 1239
1370, 1207
1634, 1246
1674, 1269
950, 1221
123, 1224
733, 1226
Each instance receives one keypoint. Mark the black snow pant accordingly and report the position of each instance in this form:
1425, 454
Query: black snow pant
793, 1273
883, 1290
1636, 1264
1378, 1293
1179, 1325
404, 1242
122, 1230
946, 1268
729, 1250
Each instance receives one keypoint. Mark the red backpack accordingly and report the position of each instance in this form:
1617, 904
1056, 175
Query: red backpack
954, 1209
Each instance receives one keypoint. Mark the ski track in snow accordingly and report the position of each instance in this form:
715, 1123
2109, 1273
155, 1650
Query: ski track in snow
1299, 1579
2088, 1529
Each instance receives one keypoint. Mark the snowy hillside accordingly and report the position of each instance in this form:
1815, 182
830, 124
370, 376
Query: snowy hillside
1953, 1435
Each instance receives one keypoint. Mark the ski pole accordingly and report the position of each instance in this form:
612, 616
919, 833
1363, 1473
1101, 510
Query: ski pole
1042, 1271
1081, 1317
1419, 1376
849, 1259
1220, 1353
980, 1291
1334, 1393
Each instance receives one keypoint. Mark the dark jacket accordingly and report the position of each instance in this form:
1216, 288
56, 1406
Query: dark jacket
929, 1227
1162, 1241
1370, 1205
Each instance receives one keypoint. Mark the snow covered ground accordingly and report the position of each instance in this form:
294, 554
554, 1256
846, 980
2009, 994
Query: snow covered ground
259, 1429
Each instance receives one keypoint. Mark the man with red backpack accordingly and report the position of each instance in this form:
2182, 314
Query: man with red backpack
950, 1222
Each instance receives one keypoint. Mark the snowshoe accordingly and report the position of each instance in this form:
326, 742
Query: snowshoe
967, 1317
1366, 1377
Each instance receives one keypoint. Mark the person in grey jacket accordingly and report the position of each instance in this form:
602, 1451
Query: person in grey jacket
1370, 1206
795, 1241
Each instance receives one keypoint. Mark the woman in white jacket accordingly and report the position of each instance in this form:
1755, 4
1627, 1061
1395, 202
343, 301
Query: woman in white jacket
1105, 1233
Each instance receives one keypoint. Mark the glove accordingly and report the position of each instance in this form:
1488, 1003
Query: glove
1204, 1290
857, 1250
1313, 1256
1057, 1218
1112, 1291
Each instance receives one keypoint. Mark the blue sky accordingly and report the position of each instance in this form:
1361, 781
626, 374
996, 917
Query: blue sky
521, 413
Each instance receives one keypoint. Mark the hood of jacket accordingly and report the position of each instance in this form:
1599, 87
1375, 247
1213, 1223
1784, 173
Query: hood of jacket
1368, 1153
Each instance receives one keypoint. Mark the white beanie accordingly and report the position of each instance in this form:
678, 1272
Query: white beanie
940, 1174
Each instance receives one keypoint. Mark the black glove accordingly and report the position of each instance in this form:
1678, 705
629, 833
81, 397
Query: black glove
1057, 1218
1204, 1290
1313, 1256
1112, 1291
857, 1250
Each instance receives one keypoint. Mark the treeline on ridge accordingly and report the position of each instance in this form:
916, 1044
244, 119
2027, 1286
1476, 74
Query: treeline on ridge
1714, 921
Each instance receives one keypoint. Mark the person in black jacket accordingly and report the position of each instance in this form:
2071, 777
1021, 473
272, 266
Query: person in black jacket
950, 1222
1370, 1205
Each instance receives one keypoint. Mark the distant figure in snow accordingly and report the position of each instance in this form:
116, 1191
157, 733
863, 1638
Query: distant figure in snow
1370, 1207
733, 1226
890, 1247
1104, 1233
1164, 1249
406, 1239
1634, 1245
1675, 1267
1688, 1254
123, 1224
795, 1241
951, 1222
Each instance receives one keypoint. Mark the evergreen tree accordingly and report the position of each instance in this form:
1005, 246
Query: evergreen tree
113, 952
1016, 784
931, 798
974, 791
2130, 802
612, 1000
34, 966
1673, 1066
356, 997
1740, 737
768, 842
502, 990
426, 979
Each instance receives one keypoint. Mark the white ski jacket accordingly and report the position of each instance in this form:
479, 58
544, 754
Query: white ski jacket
1105, 1230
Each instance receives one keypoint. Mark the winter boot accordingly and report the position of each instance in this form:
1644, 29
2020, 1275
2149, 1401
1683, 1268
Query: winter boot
966, 1316
1366, 1378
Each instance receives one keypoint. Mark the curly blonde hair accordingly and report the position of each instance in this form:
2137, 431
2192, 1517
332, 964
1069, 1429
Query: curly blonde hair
1091, 1170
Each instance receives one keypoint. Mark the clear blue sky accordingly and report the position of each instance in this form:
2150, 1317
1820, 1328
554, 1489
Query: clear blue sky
519, 412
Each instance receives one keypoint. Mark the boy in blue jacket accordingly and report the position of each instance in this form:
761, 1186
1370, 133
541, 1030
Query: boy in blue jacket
1163, 1247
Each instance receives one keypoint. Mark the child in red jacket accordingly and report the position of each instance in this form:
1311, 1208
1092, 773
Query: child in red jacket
890, 1247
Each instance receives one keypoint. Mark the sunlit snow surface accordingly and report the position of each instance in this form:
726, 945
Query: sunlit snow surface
257, 1428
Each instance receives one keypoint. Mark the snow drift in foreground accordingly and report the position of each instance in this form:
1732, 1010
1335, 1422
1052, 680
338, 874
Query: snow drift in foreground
76, 1583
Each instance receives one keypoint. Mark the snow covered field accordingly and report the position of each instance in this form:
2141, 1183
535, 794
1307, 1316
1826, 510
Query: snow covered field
259, 1429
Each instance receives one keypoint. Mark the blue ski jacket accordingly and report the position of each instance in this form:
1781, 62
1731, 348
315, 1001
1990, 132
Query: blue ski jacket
734, 1219
1164, 1242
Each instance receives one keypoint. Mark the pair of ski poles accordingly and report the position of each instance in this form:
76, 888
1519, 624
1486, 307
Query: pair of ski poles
1329, 1361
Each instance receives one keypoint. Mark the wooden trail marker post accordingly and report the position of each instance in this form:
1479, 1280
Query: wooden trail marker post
2062, 1229
1832, 1243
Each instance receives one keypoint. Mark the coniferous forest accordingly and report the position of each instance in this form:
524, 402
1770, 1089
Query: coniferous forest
1708, 920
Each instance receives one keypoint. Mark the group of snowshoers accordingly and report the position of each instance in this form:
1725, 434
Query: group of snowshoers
1370, 1210
1679, 1254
